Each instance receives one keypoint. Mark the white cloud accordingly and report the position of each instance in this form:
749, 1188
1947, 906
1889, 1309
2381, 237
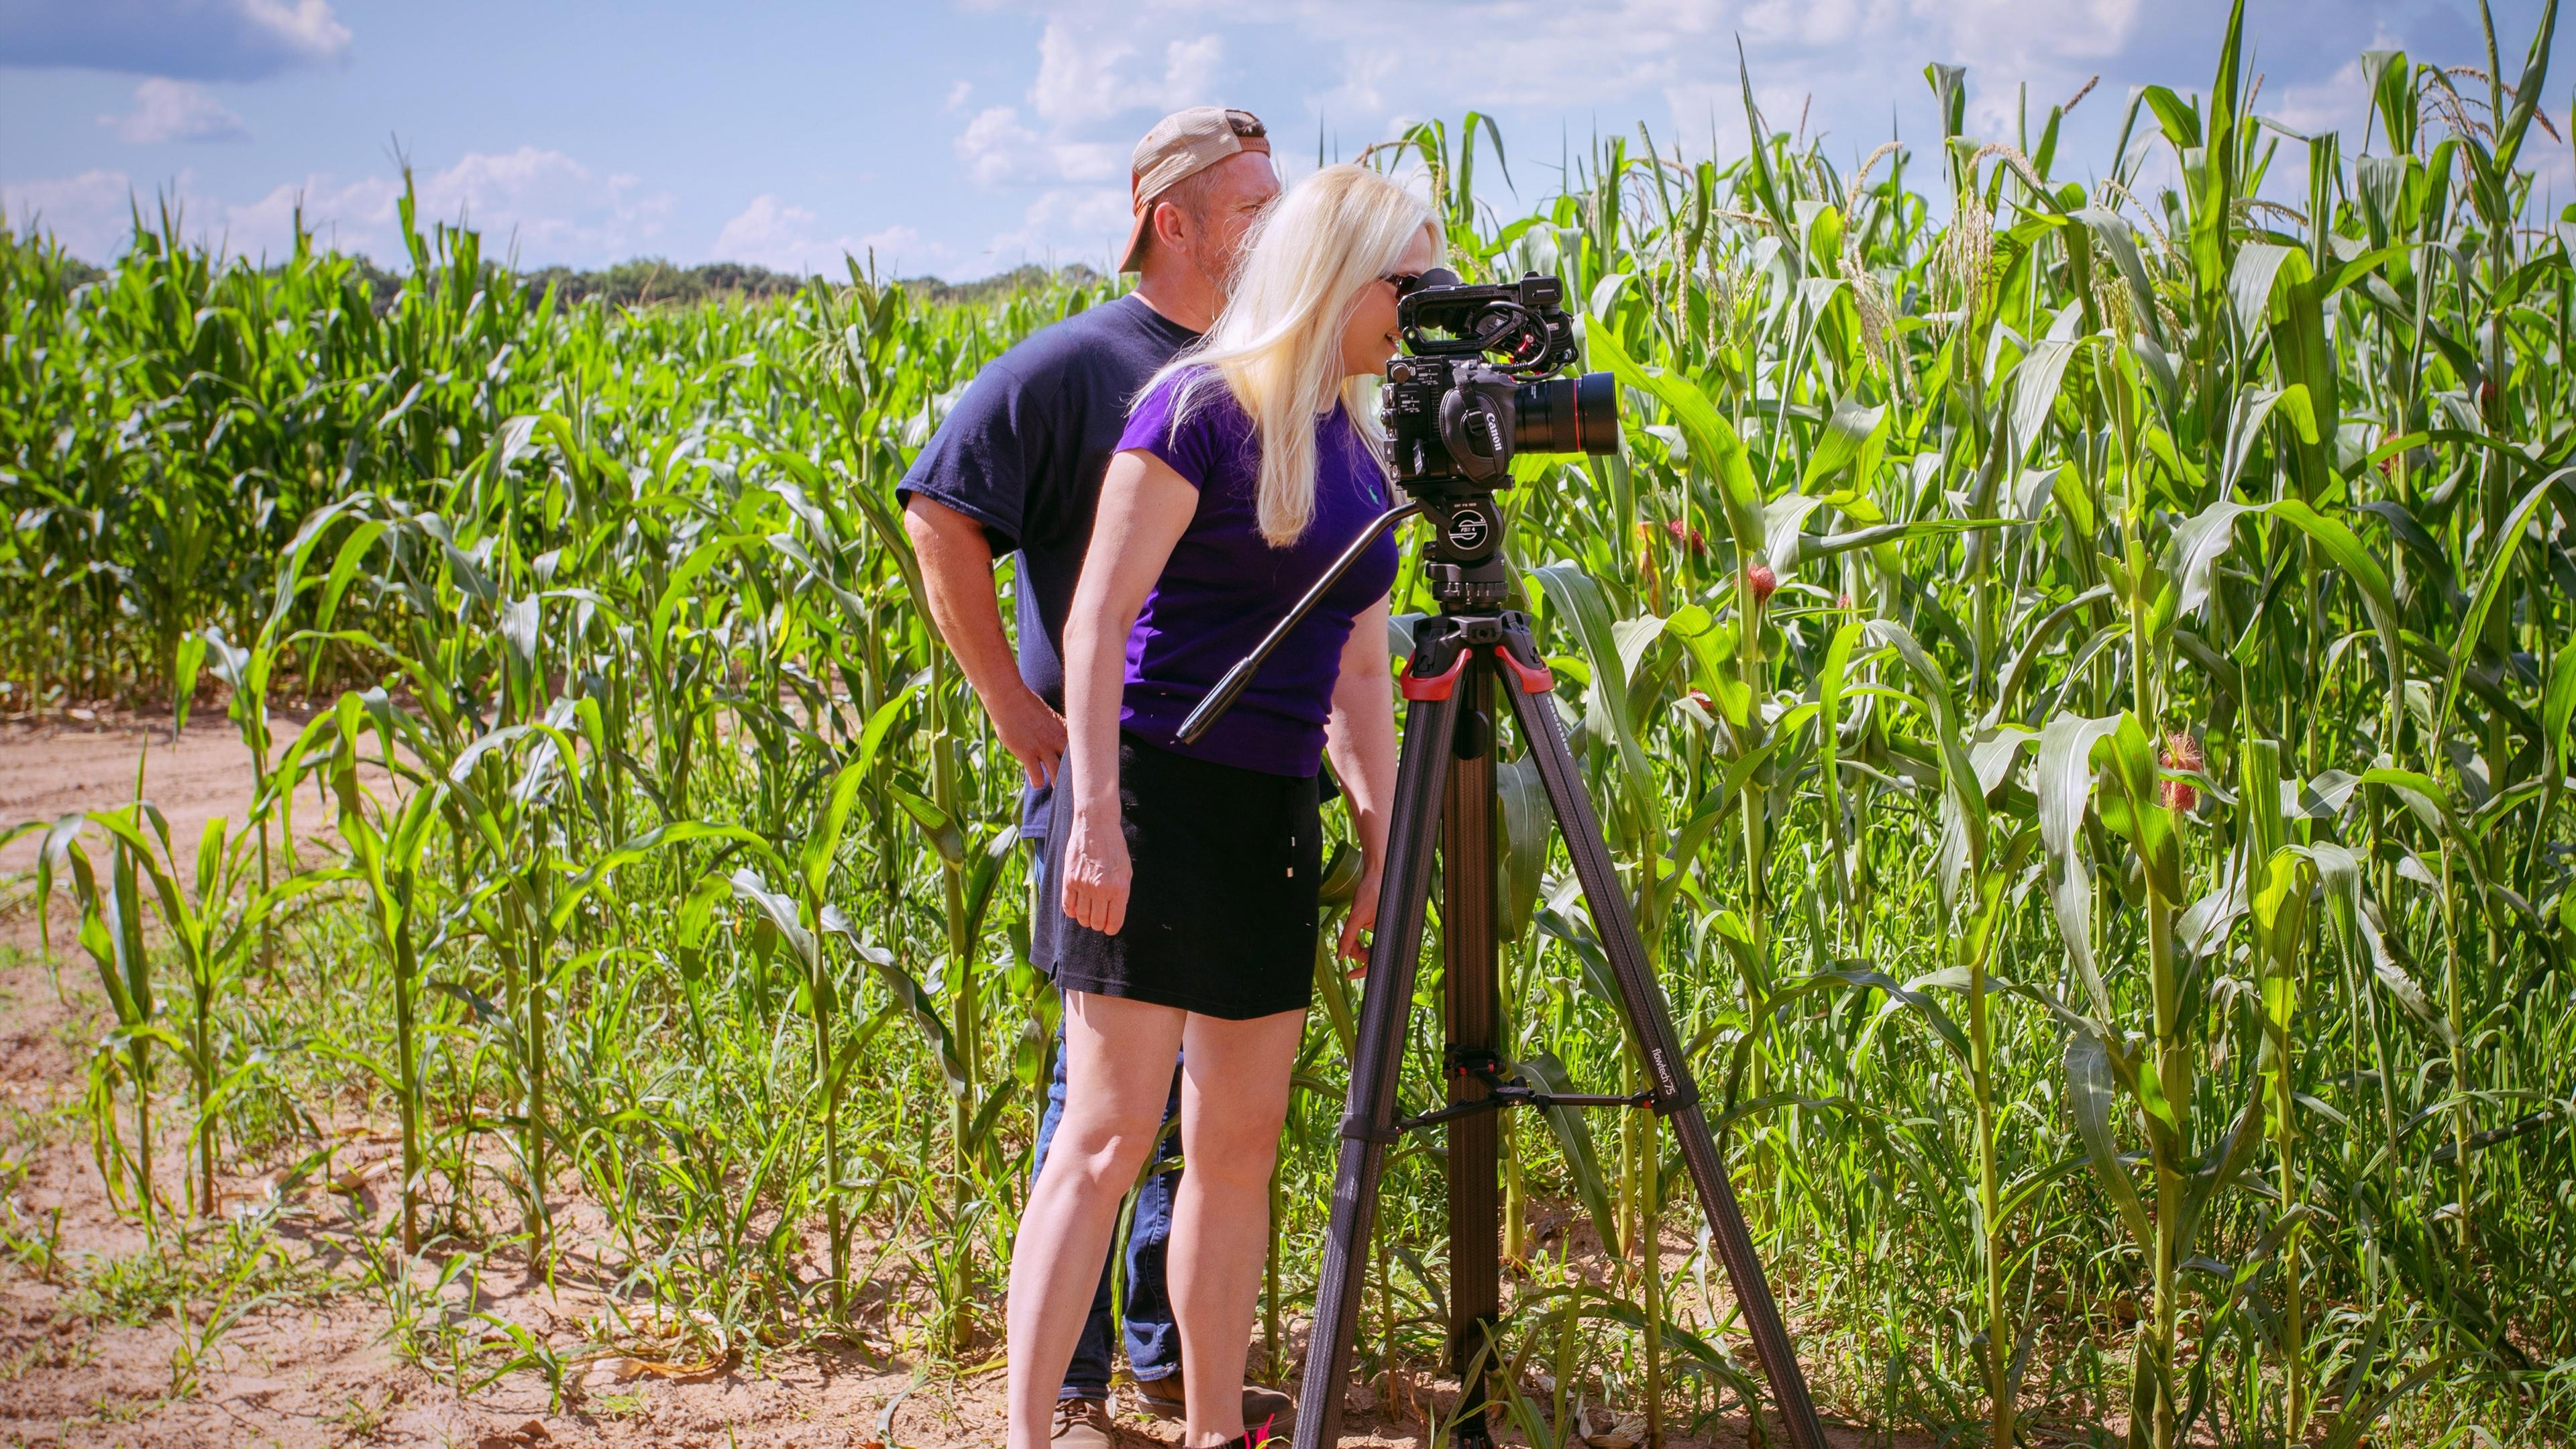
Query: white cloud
203, 39
772, 233
540, 206
1105, 68
1065, 224
902, 251
1854, 66
90, 215
1102, 77
1683, 53
1086, 77
170, 110
553, 205
996, 147
1048, 137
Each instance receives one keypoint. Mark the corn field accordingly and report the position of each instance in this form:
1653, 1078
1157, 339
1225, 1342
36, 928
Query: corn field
2076, 674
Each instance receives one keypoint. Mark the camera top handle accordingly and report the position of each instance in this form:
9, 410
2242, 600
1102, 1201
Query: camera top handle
1524, 321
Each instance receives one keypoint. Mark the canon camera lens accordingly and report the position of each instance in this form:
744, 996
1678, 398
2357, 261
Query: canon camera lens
1567, 415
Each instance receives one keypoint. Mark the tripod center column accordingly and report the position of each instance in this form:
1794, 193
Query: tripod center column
1471, 1011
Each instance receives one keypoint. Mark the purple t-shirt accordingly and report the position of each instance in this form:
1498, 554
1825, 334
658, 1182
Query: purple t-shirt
1225, 586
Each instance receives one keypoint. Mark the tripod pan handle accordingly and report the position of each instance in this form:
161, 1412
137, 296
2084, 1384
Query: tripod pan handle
1221, 698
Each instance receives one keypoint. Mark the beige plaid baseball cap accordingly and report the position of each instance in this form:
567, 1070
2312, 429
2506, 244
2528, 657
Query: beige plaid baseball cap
1180, 146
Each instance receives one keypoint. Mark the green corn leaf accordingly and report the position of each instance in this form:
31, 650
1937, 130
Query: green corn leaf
1705, 640
2527, 91
988, 1116
1578, 939
2204, 1189
872, 736
1574, 1138
2505, 545
2029, 1187
1854, 436
1965, 820
1524, 820
2111, 232
121, 825
2259, 266
2089, 1097
2130, 805
183, 679
1575, 597
2558, 706
1861, 978
935, 823
2034, 392
1825, 545
344, 570
814, 860
1714, 444
2026, 657
659, 838
780, 913
2347, 552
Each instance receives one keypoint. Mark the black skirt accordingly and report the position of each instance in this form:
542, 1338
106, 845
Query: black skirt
1221, 902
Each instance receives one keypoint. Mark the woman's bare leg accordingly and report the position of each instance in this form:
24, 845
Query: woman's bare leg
1234, 1097
1118, 1070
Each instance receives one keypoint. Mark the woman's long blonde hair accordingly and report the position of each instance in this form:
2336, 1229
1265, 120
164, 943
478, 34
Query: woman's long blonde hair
1278, 343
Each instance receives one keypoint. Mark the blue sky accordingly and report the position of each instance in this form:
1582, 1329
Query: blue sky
960, 138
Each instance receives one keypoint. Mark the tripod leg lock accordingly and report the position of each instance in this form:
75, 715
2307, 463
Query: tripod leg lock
1533, 678
1436, 686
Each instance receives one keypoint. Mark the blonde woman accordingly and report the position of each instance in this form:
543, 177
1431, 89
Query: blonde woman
1186, 875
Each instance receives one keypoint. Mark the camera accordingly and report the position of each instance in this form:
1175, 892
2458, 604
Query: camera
1455, 420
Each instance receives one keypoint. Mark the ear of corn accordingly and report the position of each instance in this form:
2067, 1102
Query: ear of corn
2080, 693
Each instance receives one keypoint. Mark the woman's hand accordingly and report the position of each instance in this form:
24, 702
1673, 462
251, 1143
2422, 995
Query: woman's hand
1360, 736
1096, 871
1363, 915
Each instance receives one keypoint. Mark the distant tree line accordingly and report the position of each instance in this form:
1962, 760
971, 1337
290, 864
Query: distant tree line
654, 281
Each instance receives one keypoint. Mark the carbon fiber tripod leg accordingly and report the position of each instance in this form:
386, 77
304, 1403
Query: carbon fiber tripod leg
1676, 1096
1368, 1114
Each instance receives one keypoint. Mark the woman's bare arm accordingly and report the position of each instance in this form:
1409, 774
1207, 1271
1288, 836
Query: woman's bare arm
1360, 737
1144, 508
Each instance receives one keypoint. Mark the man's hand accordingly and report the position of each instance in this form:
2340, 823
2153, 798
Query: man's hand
1033, 733
957, 571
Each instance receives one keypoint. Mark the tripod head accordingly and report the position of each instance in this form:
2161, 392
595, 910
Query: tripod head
1454, 422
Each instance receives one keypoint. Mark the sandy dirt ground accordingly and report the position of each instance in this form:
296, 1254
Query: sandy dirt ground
314, 1361
54, 768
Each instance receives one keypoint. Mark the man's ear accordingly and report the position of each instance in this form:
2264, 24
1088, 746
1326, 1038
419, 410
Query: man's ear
1172, 227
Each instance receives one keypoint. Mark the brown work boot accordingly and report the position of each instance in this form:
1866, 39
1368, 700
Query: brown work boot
1081, 1424
1267, 1413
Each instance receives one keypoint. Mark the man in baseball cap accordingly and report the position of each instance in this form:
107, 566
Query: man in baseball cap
1015, 467
1206, 165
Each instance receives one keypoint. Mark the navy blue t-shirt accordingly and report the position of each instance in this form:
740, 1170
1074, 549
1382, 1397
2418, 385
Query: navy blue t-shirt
1022, 453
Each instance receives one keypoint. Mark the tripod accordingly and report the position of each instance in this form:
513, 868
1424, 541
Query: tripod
1445, 795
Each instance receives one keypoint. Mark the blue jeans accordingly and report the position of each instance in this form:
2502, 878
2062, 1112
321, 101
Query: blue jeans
1153, 1341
